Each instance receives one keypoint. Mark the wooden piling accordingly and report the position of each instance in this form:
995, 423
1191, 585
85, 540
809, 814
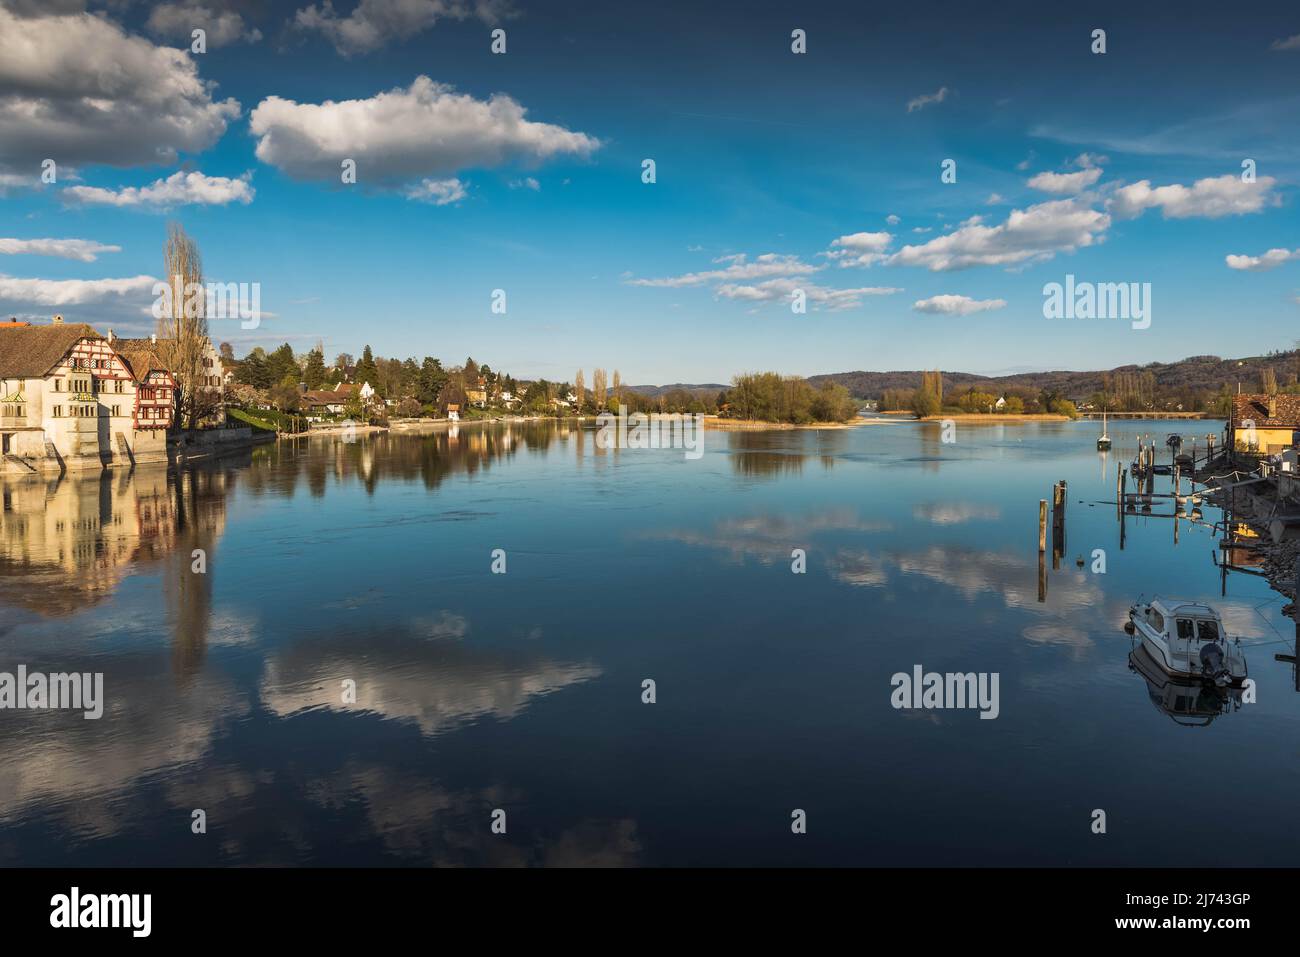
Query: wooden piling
1042, 525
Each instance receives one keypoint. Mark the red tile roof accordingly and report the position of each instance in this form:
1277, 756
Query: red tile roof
1286, 411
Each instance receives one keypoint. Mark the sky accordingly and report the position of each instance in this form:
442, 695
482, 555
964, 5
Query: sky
775, 173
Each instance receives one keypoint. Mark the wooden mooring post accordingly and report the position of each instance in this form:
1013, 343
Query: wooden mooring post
1059, 492
1042, 525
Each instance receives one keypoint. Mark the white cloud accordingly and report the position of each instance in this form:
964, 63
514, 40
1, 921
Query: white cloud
922, 229
1033, 234
995, 199
860, 249
83, 250
374, 23
956, 305
1270, 260
71, 292
79, 90
1065, 184
439, 192
179, 189
775, 290
1290, 43
925, 99
427, 129
528, 182
1212, 198
738, 267
892, 219
177, 21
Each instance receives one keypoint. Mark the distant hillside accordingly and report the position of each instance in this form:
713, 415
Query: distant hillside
1195, 374
655, 391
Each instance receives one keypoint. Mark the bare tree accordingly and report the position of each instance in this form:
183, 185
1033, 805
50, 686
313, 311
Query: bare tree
1268, 381
598, 388
618, 388
579, 388
183, 328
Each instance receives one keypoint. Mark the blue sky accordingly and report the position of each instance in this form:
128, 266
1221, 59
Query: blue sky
826, 163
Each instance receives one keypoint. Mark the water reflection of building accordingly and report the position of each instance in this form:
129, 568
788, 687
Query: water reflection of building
67, 542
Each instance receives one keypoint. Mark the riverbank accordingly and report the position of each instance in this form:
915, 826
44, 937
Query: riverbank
997, 417
1258, 505
338, 430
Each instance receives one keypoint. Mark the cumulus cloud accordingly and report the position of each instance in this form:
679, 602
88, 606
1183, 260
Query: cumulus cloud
956, 305
1033, 234
439, 192
179, 189
528, 182
427, 129
926, 99
1289, 43
860, 249
1065, 184
1212, 198
374, 23
892, 219
774, 290
78, 89
177, 21
71, 292
736, 267
1270, 260
82, 250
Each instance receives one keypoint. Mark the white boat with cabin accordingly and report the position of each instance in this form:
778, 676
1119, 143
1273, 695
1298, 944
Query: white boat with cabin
1188, 639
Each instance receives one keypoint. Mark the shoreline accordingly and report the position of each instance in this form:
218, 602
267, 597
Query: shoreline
998, 417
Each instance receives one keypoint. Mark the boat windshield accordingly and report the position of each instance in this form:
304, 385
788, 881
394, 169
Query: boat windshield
1185, 629
1156, 620
1207, 630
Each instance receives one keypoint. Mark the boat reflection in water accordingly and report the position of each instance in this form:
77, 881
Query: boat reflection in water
1190, 702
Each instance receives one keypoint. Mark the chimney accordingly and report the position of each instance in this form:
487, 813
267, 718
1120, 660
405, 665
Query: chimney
153, 339
1272, 407
110, 334
58, 320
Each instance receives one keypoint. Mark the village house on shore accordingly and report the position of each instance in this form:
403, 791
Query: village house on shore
71, 398
1264, 424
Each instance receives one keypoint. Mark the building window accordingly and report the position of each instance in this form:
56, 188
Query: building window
116, 411
58, 385
117, 386
58, 411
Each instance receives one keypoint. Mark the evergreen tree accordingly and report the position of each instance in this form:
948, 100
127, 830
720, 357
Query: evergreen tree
314, 374
367, 371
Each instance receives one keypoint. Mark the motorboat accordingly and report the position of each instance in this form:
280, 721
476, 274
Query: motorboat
1187, 639
1190, 703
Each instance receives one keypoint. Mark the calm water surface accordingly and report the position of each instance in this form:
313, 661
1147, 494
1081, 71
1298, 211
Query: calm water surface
371, 561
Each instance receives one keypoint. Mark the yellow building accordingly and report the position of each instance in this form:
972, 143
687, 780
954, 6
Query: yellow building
1264, 424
